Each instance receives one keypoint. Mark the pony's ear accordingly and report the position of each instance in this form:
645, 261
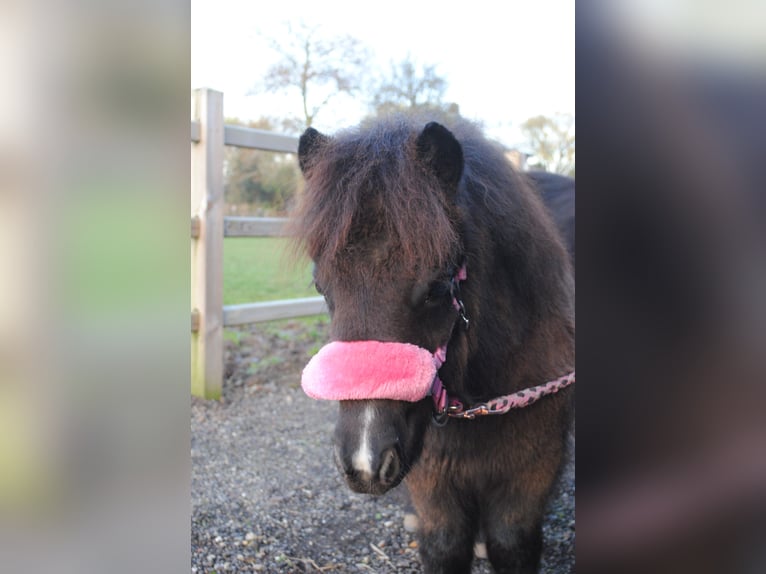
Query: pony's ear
309, 143
438, 149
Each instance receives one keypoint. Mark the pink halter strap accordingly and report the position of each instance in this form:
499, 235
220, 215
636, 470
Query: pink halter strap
446, 407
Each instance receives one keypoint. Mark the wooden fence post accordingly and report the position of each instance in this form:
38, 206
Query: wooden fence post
207, 246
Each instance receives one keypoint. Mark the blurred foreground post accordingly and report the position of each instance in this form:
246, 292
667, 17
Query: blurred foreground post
207, 246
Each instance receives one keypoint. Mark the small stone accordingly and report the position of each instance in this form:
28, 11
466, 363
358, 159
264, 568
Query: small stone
411, 522
413, 544
250, 536
240, 557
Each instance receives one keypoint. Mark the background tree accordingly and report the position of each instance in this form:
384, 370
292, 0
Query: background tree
552, 141
315, 67
258, 182
409, 86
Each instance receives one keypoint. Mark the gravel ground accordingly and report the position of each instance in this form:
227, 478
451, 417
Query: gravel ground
266, 496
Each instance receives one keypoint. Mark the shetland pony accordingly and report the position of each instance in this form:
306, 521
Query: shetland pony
423, 237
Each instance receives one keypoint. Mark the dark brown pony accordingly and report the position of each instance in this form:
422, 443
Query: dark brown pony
390, 211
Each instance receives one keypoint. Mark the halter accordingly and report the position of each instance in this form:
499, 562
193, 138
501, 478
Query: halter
360, 370
446, 407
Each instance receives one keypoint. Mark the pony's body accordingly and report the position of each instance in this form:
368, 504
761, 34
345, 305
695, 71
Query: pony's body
390, 211
558, 194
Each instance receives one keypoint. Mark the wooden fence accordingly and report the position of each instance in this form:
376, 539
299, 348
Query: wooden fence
209, 316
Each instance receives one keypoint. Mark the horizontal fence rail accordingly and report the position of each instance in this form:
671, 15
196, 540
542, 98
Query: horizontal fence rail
254, 226
241, 136
251, 138
269, 311
209, 316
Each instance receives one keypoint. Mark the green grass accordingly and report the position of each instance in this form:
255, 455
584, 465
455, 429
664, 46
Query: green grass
259, 269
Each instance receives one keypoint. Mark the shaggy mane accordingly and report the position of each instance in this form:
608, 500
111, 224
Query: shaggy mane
365, 185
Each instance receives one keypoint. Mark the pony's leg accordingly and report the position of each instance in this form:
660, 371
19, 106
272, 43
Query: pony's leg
445, 533
515, 550
512, 525
446, 550
513, 531
512, 512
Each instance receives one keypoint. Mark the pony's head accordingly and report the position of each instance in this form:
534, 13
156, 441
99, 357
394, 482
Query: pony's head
379, 219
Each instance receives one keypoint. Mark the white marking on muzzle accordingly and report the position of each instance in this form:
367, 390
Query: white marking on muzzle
362, 459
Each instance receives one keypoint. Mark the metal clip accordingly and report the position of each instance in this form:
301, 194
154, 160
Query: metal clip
466, 322
470, 414
457, 300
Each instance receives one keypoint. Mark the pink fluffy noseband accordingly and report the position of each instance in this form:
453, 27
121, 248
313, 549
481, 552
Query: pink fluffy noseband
348, 370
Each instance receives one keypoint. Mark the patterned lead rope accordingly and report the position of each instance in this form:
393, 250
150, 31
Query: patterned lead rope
499, 405
450, 407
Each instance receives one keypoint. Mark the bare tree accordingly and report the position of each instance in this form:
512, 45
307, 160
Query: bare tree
411, 87
315, 67
553, 142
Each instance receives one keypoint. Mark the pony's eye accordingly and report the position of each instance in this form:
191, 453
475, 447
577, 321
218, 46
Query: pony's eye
437, 291
314, 279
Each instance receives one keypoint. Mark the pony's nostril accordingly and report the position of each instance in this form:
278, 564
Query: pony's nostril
389, 466
350, 472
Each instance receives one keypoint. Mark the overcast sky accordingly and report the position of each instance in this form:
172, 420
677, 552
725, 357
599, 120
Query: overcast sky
504, 61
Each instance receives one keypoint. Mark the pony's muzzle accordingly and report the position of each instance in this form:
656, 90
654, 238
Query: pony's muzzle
372, 473
369, 445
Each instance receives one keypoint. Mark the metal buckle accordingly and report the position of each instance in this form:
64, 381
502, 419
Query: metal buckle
470, 414
457, 298
463, 316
